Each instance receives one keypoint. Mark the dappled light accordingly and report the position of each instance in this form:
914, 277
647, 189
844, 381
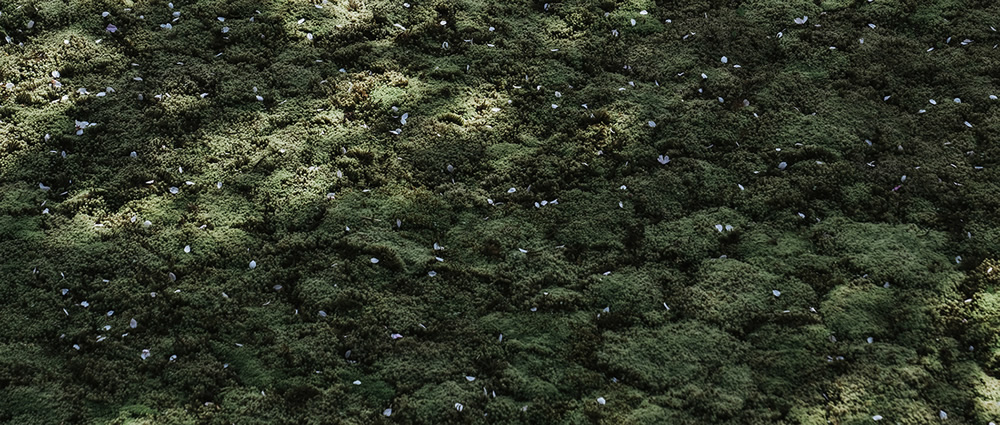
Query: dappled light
608, 212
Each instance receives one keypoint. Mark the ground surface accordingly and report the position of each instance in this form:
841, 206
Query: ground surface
819, 246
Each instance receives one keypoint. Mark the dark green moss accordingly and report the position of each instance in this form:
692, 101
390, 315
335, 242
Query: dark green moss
316, 185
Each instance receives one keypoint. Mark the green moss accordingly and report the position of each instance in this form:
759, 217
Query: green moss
31, 405
676, 359
626, 292
905, 255
856, 313
316, 183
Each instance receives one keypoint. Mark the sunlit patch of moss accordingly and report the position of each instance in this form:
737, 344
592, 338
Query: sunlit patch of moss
691, 239
674, 359
987, 390
897, 385
736, 296
900, 254
857, 312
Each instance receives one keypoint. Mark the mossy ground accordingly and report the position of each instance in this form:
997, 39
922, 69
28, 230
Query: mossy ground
315, 183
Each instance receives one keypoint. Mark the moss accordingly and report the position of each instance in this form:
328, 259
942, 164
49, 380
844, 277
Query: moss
626, 292
675, 359
905, 255
32, 405
736, 296
316, 183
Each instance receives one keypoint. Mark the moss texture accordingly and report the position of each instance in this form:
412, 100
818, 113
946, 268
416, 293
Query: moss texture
441, 190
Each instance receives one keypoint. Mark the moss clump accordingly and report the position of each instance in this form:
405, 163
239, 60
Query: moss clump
450, 117
675, 359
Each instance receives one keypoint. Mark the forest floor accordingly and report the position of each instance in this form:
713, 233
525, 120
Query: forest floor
510, 212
